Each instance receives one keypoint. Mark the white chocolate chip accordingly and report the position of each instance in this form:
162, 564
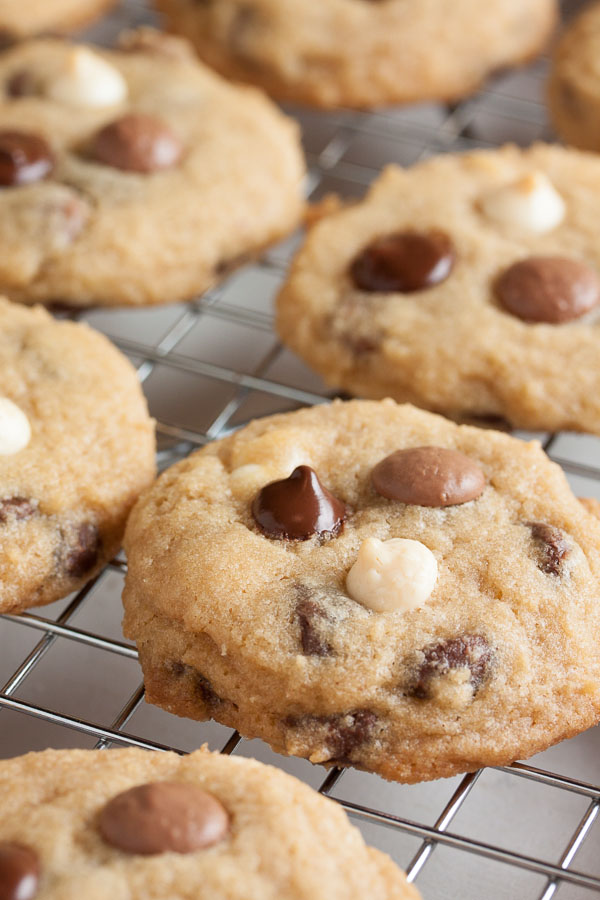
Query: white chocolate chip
532, 203
15, 430
87, 80
394, 575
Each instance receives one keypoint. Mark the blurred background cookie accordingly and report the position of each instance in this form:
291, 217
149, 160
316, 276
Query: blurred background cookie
574, 87
358, 53
19, 20
135, 176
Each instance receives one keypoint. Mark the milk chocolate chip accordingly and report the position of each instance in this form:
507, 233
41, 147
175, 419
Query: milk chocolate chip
24, 158
298, 507
137, 143
406, 261
550, 289
554, 548
163, 817
19, 872
428, 476
472, 651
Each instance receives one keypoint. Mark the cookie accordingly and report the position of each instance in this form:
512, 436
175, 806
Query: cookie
467, 284
135, 176
128, 823
76, 449
369, 584
357, 53
574, 85
22, 20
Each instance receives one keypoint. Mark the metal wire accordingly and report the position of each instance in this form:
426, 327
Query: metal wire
342, 151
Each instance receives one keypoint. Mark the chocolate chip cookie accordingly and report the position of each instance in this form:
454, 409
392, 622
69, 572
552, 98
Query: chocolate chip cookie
76, 449
372, 585
20, 20
128, 823
134, 176
362, 53
467, 284
574, 87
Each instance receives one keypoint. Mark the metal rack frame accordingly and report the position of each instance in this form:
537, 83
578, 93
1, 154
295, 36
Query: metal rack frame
447, 129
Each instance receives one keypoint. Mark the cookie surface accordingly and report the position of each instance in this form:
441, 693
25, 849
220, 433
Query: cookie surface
358, 53
239, 830
76, 449
20, 20
416, 618
574, 86
467, 284
113, 186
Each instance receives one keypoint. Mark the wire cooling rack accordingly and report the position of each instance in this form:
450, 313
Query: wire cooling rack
67, 676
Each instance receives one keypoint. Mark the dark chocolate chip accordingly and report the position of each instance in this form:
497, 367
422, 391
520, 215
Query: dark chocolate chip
552, 289
471, 651
554, 547
137, 143
202, 685
19, 871
298, 507
16, 508
163, 817
428, 476
315, 625
24, 158
83, 554
22, 83
404, 262
343, 733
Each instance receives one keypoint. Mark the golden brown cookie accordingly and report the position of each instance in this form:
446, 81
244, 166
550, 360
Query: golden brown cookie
574, 86
21, 20
368, 584
151, 826
468, 284
134, 176
362, 53
76, 449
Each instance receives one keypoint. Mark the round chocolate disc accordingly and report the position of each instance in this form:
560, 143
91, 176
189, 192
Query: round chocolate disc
298, 507
163, 817
137, 143
404, 262
24, 158
551, 289
428, 476
19, 872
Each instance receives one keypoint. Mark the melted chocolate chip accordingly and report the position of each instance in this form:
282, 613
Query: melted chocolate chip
19, 872
314, 623
404, 262
428, 476
16, 508
24, 158
202, 685
137, 143
552, 289
298, 507
554, 547
471, 651
84, 552
342, 733
163, 817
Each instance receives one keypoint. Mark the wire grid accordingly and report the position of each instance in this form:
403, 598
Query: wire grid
211, 365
